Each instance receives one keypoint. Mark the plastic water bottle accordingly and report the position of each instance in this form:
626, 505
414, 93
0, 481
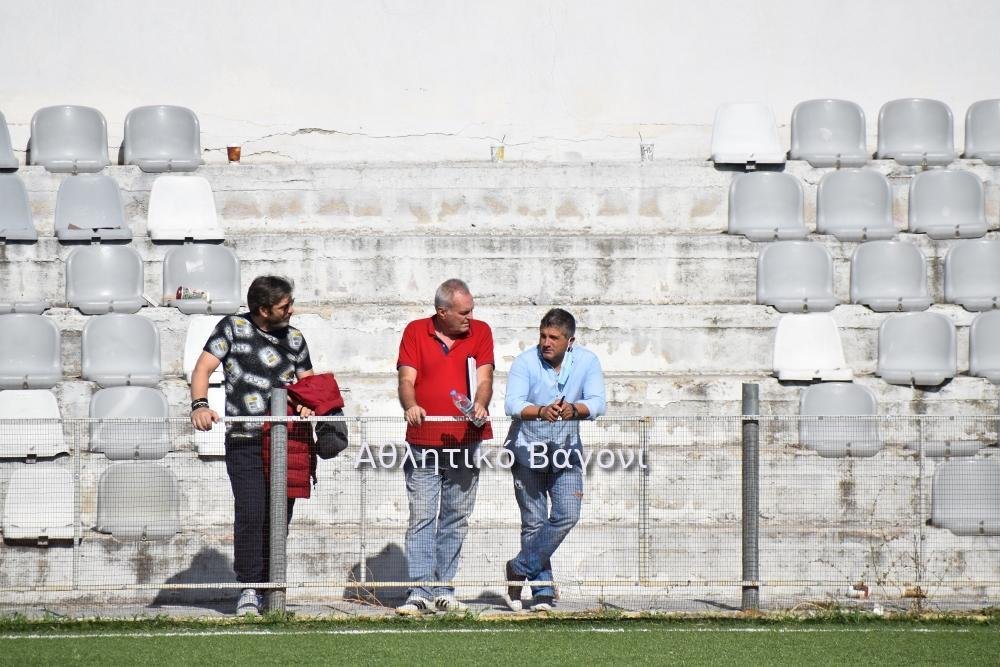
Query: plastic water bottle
464, 405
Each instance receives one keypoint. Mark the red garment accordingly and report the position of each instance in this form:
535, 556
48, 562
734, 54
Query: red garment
439, 370
321, 394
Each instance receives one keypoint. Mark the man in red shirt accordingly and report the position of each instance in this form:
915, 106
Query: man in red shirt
435, 355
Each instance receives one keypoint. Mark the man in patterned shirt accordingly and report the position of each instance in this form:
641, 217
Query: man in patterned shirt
258, 351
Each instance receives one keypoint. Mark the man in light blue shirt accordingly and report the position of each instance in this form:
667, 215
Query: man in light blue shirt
549, 389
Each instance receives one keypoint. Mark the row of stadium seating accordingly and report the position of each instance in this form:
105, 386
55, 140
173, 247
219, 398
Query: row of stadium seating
139, 501
841, 424
886, 276
856, 205
913, 349
89, 210
135, 502
825, 132
109, 279
831, 133
74, 139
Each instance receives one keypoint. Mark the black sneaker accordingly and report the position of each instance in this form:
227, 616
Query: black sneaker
513, 598
543, 603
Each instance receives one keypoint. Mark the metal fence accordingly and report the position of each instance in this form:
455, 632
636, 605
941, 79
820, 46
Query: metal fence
851, 511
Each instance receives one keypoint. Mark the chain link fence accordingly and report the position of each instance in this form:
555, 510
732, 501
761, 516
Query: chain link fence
136, 516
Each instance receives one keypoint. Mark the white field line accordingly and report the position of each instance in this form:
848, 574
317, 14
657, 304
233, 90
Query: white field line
236, 632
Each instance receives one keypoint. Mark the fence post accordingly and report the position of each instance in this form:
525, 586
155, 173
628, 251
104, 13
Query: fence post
279, 502
363, 517
77, 503
751, 496
644, 502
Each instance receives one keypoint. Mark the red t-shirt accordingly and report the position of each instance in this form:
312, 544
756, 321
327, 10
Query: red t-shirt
439, 370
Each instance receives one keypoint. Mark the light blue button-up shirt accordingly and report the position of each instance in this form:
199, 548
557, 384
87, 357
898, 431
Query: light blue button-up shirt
532, 381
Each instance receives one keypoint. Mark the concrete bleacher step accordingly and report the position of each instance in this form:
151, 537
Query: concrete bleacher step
653, 394
628, 338
405, 269
522, 198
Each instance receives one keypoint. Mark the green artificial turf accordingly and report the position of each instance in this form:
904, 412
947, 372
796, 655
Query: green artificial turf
553, 642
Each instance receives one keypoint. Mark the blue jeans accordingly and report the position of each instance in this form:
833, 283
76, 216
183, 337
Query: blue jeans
441, 499
543, 529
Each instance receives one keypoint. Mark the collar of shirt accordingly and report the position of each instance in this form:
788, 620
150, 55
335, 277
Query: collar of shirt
564, 369
433, 333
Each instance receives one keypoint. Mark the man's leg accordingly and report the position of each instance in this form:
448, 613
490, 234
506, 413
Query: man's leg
530, 491
246, 476
458, 498
423, 490
565, 489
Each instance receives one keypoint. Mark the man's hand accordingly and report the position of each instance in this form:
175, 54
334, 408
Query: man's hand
479, 411
203, 418
301, 410
564, 409
415, 415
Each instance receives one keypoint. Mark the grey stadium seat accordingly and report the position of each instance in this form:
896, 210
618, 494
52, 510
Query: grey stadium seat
917, 348
796, 277
766, 206
829, 133
15, 211
855, 205
121, 350
984, 346
834, 438
69, 139
29, 352
138, 502
916, 131
104, 279
982, 132
38, 505
972, 274
214, 269
947, 204
7, 158
965, 497
120, 438
889, 276
89, 209
162, 138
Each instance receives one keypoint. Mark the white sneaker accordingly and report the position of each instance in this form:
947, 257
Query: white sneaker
249, 603
543, 603
448, 604
415, 606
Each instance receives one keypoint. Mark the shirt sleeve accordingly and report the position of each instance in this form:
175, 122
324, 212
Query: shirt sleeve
593, 389
220, 341
303, 362
518, 386
484, 350
409, 348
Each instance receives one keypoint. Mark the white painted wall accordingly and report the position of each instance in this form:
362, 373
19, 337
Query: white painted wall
445, 79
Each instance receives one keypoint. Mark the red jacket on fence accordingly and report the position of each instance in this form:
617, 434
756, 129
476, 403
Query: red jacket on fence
321, 394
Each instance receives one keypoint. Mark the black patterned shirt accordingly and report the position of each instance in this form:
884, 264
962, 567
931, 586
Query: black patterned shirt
254, 362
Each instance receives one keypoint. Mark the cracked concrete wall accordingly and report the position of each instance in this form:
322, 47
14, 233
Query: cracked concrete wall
445, 80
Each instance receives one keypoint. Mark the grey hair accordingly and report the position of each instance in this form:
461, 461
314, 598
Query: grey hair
447, 290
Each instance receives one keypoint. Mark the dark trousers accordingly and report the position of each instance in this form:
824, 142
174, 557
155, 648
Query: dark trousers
251, 497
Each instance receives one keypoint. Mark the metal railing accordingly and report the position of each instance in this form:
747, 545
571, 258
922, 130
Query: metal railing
678, 514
